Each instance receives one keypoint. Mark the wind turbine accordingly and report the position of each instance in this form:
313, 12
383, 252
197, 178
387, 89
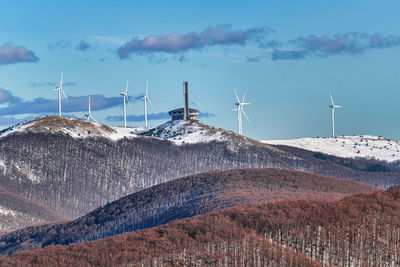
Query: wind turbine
240, 110
125, 94
145, 99
90, 115
60, 90
332, 107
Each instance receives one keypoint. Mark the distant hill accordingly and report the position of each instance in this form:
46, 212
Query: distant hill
76, 128
74, 166
357, 146
182, 198
17, 212
359, 230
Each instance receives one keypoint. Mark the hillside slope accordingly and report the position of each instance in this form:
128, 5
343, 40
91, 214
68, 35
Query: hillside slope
75, 166
75, 175
182, 198
360, 146
17, 212
359, 230
73, 127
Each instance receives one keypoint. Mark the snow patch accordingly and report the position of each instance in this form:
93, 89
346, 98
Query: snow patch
187, 132
27, 173
360, 146
2, 165
5, 211
75, 128
16, 129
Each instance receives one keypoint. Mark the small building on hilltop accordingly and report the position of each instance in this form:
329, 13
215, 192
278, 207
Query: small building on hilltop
178, 114
184, 113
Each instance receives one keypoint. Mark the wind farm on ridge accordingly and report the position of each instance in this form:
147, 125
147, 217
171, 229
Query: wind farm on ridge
146, 99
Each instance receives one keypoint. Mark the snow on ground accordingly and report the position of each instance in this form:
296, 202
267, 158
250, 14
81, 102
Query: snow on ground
187, 132
76, 128
121, 132
179, 131
16, 129
2, 166
5, 211
361, 146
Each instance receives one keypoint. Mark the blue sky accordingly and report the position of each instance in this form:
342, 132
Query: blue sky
285, 55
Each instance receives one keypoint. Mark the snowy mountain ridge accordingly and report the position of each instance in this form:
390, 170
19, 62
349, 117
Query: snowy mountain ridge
179, 132
360, 146
188, 132
76, 128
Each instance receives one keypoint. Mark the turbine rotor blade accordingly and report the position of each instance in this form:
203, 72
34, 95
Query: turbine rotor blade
61, 81
150, 102
129, 102
66, 98
244, 113
333, 104
244, 96
237, 97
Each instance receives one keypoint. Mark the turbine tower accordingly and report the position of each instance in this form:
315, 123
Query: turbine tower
332, 107
60, 90
126, 99
90, 115
145, 99
240, 110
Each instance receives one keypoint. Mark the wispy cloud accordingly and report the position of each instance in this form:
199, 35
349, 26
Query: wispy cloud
253, 58
16, 105
152, 116
352, 43
12, 54
8, 97
59, 44
50, 84
174, 43
83, 46
11, 120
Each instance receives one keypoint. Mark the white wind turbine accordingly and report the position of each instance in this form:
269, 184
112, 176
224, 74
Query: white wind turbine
60, 90
240, 110
125, 95
332, 107
90, 115
145, 99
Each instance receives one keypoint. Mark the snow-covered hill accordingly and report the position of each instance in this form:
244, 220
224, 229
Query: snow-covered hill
360, 146
76, 128
188, 132
178, 132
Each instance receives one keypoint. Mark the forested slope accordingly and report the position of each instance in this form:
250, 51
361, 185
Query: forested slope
71, 175
182, 198
360, 230
17, 212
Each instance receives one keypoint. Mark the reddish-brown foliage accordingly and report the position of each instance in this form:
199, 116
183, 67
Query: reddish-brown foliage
183, 198
360, 230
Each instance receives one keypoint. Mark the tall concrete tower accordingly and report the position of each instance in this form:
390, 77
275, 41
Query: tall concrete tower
186, 100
